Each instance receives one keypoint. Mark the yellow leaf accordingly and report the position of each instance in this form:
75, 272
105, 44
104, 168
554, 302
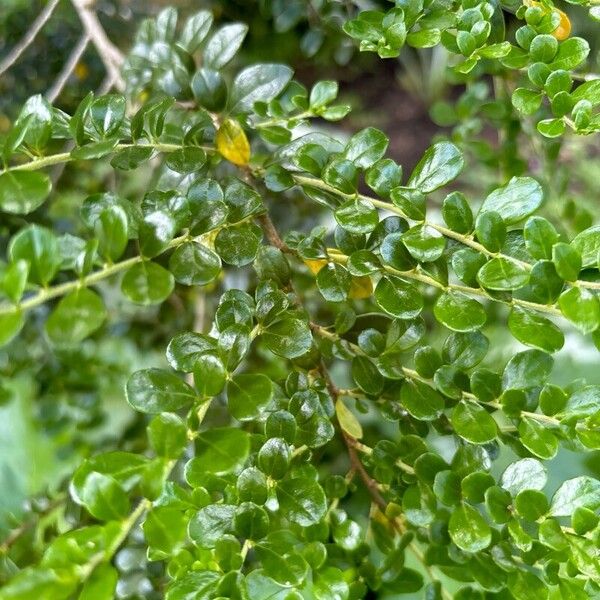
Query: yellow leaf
563, 30
361, 287
348, 422
232, 143
315, 265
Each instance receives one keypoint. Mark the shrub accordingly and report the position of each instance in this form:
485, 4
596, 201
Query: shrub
333, 424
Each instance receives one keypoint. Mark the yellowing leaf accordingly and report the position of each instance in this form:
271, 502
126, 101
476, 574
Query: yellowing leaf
348, 422
232, 143
563, 30
315, 265
361, 287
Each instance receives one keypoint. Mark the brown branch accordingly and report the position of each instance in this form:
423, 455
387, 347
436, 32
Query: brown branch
110, 55
271, 232
11, 58
370, 483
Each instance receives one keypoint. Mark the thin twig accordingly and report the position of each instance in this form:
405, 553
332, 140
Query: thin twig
75, 56
272, 236
16, 533
110, 55
11, 58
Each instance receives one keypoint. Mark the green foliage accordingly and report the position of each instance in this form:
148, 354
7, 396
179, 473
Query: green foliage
334, 423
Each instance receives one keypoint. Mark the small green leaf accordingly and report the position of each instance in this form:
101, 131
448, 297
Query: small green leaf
383, 176
571, 53
155, 390
210, 524
567, 261
587, 243
21, 192
39, 247
532, 329
457, 212
524, 474
101, 584
194, 264
440, 164
366, 375
76, 317
502, 274
582, 491
421, 401
540, 236
473, 423
581, 307
301, 500
209, 374
468, 529
147, 283
223, 45
366, 147
259, 82
537, 438
104, 498
519, 198
10, 325
398, 298
167, 435
237, 245
248, 395
491, 230
334, 282
527, 369
526, 101
209, 89
424, 243
288, 337
195, 30
164, 531
551, 128
219, 450
131, 158
459, 312
357, 216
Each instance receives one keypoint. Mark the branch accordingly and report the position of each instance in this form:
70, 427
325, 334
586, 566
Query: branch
64, 157
271, 233
373, 488
110, 55
76, 54
550, 309
412, 374
11, 58
64, 288
459, 237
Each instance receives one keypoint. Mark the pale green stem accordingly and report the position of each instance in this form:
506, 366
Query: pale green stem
466, 240
368, 451
412, 374
271, 122
338, 257
64, 288
63, 157
299, 450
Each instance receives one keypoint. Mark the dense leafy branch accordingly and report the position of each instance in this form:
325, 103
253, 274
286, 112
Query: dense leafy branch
335, 431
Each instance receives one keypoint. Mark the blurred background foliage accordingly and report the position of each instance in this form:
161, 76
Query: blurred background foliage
51, 414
